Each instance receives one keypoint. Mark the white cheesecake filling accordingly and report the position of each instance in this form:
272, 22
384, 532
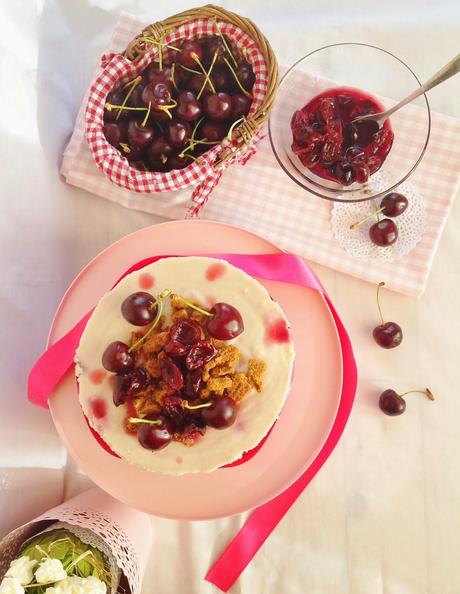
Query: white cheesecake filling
187, 276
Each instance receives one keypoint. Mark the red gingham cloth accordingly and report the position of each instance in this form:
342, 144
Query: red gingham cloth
261, 198
115, 69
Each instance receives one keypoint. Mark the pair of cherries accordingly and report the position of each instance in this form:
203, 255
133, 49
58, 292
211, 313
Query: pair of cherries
389, 335
385, 232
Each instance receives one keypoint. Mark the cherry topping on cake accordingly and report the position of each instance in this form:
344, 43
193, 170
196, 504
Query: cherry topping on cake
156, 434
127, 386
226, 322
139, 308
186, 331
171, 373
199, 354
193, 381
176, 348
117, 358
221, 414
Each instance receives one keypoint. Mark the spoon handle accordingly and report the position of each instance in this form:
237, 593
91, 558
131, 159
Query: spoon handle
453, 67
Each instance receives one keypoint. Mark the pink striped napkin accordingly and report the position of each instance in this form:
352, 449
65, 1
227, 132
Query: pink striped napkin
261, 198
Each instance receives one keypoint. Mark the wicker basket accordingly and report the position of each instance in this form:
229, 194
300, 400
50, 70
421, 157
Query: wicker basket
244, 133
118, 69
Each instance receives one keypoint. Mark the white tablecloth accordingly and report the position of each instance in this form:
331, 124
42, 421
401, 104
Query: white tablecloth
383, 516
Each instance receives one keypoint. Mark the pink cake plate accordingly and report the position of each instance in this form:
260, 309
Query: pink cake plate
298, 435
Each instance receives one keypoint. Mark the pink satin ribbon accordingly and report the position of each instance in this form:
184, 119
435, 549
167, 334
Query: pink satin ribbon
57, 360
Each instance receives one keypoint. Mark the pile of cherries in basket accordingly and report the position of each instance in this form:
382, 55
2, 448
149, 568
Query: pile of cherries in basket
185, 354
182, 105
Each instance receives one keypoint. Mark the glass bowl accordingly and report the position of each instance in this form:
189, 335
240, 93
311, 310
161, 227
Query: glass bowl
373, 71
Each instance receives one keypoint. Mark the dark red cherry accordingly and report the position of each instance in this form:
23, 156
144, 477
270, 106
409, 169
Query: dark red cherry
116, 357
362, 132
127, 386
226, 322
174, 348
246, 76
132, 153
182, 77
171, 373
159, 147
360, 170
193, 383
391, 403
191, 52
394, 204
221, 79
344, 173
157, 94
115, 98
199, 354
215, 44
178, 133
155, 436
189, 108
221, 414
186, 331
388, 335
139, 136
139, 308
176, 162
213, 131
135, 100
115, 132
218, 106
154, 74
241, 105
196, 83
384, 232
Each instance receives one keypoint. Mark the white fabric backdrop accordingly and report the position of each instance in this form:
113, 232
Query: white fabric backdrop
383, 515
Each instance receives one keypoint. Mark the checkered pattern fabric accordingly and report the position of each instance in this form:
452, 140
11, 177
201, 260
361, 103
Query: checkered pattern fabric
261, 198
117, 70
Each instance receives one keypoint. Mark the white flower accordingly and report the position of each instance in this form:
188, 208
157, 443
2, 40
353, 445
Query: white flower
78, 585
22, 570
11, 585
50, 570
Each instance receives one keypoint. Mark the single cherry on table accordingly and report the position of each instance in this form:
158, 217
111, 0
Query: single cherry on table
383, 233
393, 404
388, 335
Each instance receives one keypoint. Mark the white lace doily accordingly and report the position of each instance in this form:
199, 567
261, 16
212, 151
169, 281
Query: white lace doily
93, 520
411, 223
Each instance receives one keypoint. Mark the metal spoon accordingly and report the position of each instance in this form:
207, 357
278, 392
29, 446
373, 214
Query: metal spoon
453, 67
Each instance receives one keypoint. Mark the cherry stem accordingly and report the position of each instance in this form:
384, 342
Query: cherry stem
233, 126
138, 421
243, 90
134, 84
214, 58
166, 108
193, 306
188, 406
189, 69
377, 210
203, 70
159, 304
173, 71
111, 106
369, 216
152, 40
125, 147
428, 393
144, 121
226, 44
382, 284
